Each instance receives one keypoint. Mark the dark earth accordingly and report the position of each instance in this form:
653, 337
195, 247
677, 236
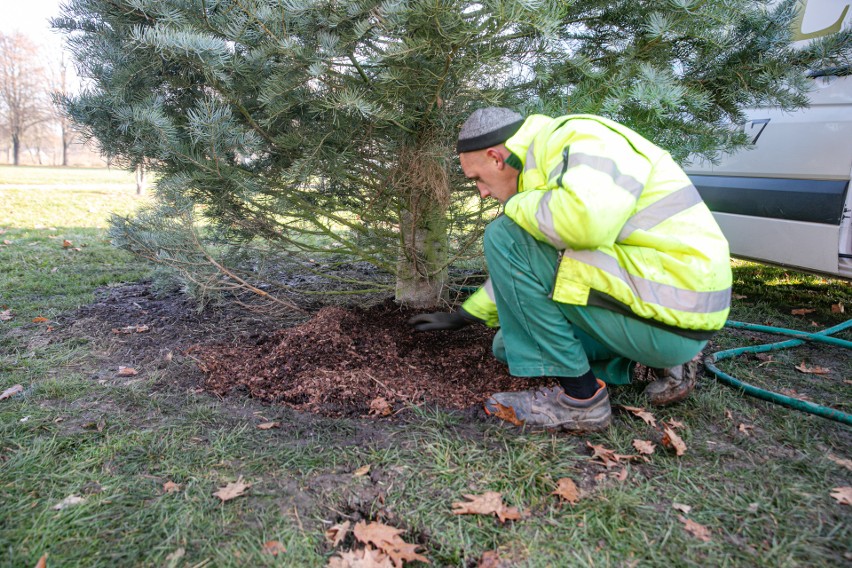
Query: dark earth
339, 361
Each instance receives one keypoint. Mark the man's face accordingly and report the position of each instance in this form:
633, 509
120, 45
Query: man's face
489, 170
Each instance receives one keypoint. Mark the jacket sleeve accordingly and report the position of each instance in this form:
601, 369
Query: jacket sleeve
481, 305
588, 189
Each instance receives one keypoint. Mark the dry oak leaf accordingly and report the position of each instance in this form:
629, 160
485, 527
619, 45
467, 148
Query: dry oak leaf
838, 308
39, 319
840, 461
745, 428
843, 495
699, 531
380, 407
490, 559
643, 414
127, 371
802, 368
507, 413
337, 533
645, 447
273, 547
608, 457
672, 440
68, 502
232, 490
490, 502
268, 425
386, 538
42, 562
567, 489
11, 391
6, 315
360, 558
685, 509
171, 487
802, 311
362, 471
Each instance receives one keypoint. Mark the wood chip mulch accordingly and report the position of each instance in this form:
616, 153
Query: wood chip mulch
342, 360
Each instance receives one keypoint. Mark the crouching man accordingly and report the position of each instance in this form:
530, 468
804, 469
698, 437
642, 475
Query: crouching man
605, 256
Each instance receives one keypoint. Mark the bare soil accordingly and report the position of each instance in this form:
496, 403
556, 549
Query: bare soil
340, 362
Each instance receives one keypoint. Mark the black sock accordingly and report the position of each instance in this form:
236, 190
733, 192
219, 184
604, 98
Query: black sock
584, 386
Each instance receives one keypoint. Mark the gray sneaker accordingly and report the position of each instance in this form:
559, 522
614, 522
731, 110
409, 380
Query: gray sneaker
673, 384
550, 407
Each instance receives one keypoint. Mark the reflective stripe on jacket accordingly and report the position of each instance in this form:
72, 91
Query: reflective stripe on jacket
634, 234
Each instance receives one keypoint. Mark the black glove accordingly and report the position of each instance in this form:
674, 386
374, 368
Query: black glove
441, 320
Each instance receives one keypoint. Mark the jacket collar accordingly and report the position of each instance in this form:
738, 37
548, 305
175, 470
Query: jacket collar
520, 143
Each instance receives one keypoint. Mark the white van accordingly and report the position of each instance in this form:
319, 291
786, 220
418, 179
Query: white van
787, 200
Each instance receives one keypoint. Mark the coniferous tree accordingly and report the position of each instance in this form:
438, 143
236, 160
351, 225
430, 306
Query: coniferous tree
290, 129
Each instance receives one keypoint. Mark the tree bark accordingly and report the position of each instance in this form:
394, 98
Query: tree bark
421, 271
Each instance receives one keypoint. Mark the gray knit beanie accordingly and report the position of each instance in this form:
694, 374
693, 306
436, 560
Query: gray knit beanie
488, 127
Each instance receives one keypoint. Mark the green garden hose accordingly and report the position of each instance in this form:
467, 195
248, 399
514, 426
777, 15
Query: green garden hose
801, 336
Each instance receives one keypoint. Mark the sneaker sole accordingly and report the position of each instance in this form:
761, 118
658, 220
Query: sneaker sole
574, 427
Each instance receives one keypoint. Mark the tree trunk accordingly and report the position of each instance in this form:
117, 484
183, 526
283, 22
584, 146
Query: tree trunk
422, 268
421, 272
140, 179
16, 149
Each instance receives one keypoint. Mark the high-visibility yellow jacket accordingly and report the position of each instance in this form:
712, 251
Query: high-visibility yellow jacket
633, 232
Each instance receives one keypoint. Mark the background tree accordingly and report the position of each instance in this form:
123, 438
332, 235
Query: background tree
24, 99
302, 131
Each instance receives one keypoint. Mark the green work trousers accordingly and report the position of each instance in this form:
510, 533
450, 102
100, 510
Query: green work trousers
539, 337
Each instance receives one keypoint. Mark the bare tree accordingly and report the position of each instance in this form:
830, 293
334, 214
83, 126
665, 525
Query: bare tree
24, 98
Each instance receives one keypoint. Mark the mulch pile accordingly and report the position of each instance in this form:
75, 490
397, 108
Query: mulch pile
342, 360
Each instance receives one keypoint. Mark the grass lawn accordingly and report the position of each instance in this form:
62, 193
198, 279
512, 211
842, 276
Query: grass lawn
758, 477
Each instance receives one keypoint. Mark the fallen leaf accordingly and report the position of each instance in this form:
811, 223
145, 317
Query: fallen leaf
490, 559
567, 489
387, 539
838, 308
802, 311
171, 487
802, 368
42, 562
268, 425
68, 502
66, 243
232, 490
360, 558
675, 424
379, 406
745, 428
11, 391
608, 457
337, 533
6, 315
7, 242
490, 502
173, 559
127, 371
621, 475
507, 413
728, 414
700, 532
645, 447
39, 319
361, 471
738, 297
793, 393
843, 495
273, 547
643, 414
685, 509
840, 461
672, 440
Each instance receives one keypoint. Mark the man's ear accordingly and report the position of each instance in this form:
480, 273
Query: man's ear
494, 154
